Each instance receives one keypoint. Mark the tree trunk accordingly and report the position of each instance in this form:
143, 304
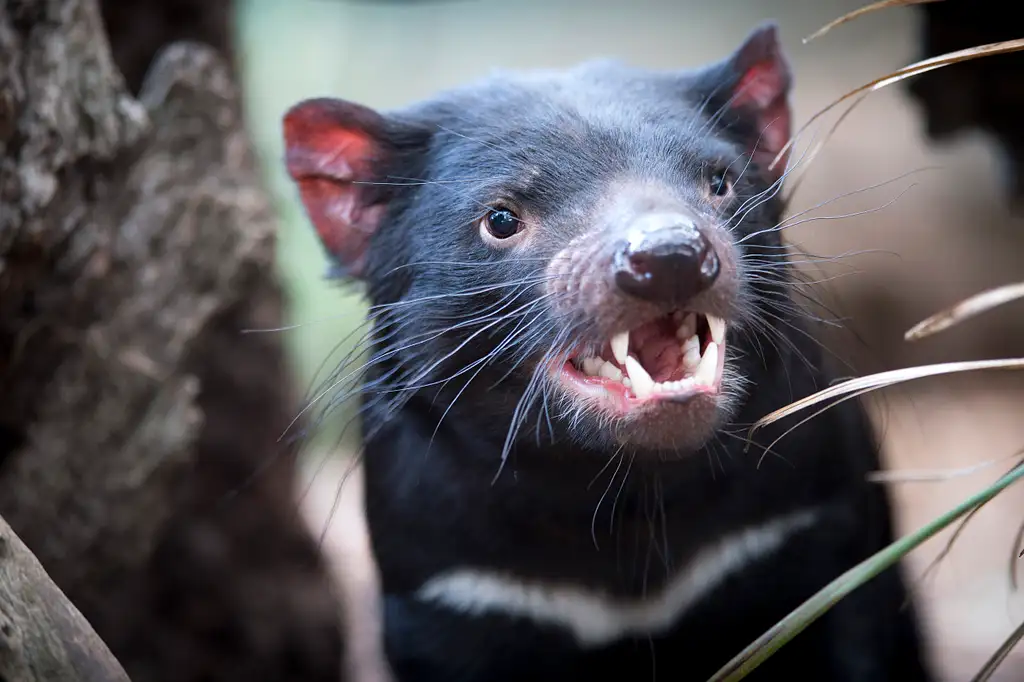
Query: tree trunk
139, 452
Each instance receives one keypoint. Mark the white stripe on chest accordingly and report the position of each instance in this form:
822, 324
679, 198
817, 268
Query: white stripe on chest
597, 619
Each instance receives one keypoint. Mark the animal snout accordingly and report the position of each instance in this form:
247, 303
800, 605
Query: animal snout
666, 258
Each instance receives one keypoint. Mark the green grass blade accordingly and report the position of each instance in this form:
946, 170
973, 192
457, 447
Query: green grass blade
812, 609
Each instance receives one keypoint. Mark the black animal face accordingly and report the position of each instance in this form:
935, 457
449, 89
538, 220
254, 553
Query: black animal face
587, 254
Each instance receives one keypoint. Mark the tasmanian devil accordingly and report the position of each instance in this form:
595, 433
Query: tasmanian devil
580, 300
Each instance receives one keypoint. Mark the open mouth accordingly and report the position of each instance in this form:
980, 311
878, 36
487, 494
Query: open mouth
674, 357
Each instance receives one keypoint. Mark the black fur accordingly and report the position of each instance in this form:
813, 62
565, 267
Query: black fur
568, 504
983, 94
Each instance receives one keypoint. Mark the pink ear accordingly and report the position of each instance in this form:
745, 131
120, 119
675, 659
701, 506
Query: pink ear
330, 146
763, 91
753, 83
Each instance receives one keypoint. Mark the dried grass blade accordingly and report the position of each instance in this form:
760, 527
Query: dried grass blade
1018, 541
857, 13
1000, 655
966, 309
933, 565
934, 475
914, 69
883, 379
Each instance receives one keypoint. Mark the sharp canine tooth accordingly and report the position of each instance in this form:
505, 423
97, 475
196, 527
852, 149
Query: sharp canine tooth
717, 326
620, 347
610, 371
643, 384
705, 374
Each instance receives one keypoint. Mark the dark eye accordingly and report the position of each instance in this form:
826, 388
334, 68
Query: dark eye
502, 223
720, 183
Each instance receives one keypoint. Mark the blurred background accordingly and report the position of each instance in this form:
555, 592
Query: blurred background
949, 234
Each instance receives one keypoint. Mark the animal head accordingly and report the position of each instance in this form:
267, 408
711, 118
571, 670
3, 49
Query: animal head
588, 253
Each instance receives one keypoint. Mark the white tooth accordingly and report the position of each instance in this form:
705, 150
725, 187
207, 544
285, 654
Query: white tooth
688, 327
610, 371
620, 347
643, 384
592, 366
705, 374
691, 353
717, 326
626, 382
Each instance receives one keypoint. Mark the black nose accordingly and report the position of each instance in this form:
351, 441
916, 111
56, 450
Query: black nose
667, 260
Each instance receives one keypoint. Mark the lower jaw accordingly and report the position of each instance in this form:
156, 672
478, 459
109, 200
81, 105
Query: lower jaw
619, 401
675, 422
669, 430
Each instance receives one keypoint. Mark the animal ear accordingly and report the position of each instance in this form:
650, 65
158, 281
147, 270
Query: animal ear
754, 83
333, 150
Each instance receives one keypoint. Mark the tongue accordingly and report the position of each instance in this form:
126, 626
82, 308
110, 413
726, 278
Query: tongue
658, 350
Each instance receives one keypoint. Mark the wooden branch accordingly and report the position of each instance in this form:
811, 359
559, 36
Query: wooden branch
43, 638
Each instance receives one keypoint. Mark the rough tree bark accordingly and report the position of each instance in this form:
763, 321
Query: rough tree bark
139, 457
43, 638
